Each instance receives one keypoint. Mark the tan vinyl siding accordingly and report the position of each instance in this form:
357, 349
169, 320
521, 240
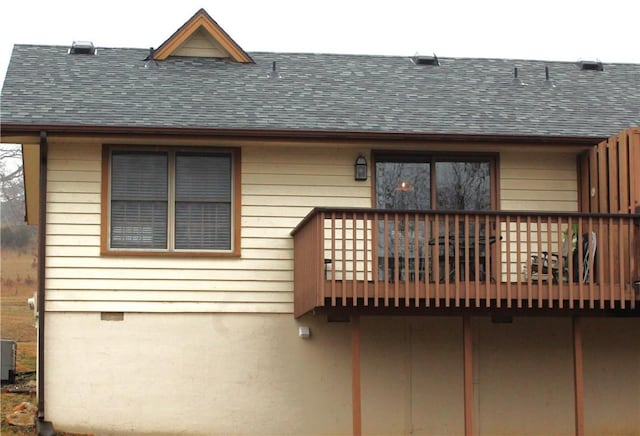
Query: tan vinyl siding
538, 181
201, 44
279, 187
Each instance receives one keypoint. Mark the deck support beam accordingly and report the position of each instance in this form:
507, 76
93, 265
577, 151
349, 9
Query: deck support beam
578, 376
356, 395
467, 343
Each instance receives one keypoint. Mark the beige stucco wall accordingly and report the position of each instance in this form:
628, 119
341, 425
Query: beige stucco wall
252, 374
612, 376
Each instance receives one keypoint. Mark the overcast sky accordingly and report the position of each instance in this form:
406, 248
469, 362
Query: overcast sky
542, 29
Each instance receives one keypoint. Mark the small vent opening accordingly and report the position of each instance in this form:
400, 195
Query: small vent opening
591, 65
82, 47
426, 60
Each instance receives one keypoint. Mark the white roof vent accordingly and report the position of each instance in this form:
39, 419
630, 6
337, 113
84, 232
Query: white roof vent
82, 47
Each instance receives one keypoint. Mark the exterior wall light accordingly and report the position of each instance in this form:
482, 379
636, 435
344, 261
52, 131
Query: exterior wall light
360, 168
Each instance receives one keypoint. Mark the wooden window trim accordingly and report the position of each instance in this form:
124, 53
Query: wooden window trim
433, 157
105, 249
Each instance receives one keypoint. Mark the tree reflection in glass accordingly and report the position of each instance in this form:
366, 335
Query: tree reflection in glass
404, 185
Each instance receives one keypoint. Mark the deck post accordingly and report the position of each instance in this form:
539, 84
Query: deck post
356, 399
467, 342
578, 376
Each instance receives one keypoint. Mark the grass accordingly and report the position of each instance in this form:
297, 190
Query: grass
18, 277
19, 273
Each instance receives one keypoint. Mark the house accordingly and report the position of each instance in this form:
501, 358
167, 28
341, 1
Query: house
290, 243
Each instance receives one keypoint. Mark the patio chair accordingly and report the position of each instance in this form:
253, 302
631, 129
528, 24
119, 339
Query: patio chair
549, 263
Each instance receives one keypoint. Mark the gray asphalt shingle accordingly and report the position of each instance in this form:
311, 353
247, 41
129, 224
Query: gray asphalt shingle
319, 92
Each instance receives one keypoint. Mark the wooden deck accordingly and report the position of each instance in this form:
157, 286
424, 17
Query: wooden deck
365, 258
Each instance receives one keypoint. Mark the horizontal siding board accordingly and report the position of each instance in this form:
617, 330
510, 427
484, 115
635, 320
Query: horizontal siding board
212, 296
74, 176
72, 240
297, 180
303, 191
311, 202
229, 286
54, 251
73, 208
306, 168
76, 218
165, 285
289, 211
561, 196
265, 243
73, 164
557, 206
167, 307
73, 187
72, 197
274, 222
73, 229
323, 156
176, 267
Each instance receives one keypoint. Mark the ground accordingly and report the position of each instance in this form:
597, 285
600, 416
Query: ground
18, 278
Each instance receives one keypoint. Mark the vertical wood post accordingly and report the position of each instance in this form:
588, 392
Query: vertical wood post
578, 376
356, 399
467, 340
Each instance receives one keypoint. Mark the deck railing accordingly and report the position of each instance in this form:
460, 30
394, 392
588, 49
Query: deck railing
382, 258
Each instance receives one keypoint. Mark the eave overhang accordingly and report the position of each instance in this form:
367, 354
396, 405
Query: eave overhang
11, 132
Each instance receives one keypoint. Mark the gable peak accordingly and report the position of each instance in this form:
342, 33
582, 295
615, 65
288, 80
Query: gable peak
201, 36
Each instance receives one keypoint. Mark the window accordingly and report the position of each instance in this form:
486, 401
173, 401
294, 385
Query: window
172, 201
418, 181
422, 182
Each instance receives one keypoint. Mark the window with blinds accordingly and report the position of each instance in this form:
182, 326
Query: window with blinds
171, 200
203, 201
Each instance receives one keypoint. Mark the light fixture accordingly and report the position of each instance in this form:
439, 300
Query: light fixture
304, 332
360, 168
404, 187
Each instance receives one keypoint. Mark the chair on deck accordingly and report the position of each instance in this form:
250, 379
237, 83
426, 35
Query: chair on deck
549, 263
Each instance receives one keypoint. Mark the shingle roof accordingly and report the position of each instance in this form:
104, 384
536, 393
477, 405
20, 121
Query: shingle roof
319, 92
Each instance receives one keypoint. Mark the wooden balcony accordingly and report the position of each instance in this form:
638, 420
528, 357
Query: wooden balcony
384, 261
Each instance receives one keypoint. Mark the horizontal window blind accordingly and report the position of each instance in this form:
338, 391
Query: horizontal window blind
139, 198
203, 201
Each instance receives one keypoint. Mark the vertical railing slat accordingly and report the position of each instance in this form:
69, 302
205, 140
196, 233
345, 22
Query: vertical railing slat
436, 258
385, 254
467, 260
334, 259
549, 247
519, 265
529, 270
365, 258
570, 235
508, 257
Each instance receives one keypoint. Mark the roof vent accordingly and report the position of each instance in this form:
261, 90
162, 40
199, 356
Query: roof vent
591, 65
426, 60
82, 47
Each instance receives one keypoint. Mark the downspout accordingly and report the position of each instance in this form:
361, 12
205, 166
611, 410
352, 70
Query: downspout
43, 427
